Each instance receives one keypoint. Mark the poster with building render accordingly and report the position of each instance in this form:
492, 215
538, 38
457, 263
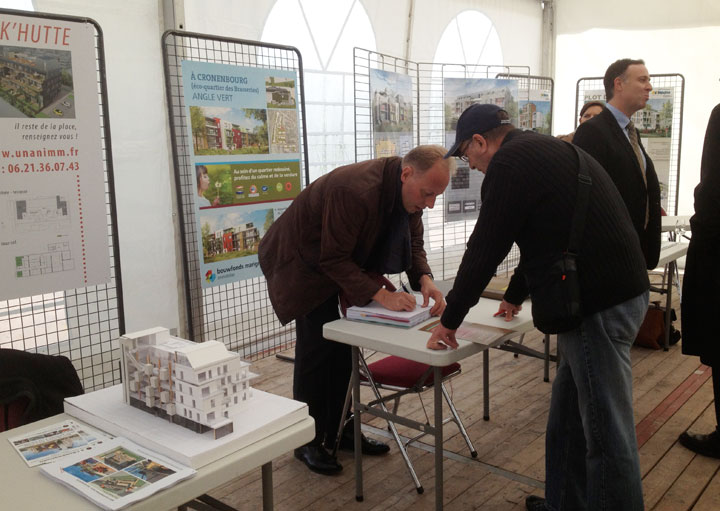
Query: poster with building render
535, 112
53, 221
392, 113
243, 124
655, 125
654, 122
462, 196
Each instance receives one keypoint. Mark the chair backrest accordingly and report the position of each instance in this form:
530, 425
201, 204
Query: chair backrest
33, 386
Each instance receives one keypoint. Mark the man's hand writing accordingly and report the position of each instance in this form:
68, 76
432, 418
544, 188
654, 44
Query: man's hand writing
397, 301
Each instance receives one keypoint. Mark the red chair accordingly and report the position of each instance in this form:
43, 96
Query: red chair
401, 376
15, 406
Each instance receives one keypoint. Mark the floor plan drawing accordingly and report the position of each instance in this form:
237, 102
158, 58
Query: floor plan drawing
41, 213
57, 258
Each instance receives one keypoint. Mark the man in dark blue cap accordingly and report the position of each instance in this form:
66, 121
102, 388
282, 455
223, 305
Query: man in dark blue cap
529, 197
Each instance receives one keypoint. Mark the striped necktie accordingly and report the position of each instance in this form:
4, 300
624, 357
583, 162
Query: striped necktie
632, 135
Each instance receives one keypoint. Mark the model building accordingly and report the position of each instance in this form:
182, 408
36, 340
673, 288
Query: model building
196, 385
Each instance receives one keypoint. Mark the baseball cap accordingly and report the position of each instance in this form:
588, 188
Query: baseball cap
478, 118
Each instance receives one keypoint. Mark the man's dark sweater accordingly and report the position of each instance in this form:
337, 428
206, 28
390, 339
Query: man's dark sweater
528, 197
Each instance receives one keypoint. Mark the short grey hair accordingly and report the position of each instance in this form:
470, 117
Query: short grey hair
423, 157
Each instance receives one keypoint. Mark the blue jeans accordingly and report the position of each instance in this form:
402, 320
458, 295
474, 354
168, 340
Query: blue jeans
591, 451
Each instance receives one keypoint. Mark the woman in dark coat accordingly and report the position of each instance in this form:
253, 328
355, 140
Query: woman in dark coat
700, 302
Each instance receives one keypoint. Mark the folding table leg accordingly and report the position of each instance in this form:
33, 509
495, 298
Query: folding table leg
670, 268
267, 486
486, 385
356, 423
438, 439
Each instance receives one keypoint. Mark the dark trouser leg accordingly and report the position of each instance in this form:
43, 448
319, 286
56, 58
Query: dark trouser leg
322, 370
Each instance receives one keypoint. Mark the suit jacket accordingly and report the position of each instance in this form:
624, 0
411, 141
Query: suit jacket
702, 276
605, 141
329, 236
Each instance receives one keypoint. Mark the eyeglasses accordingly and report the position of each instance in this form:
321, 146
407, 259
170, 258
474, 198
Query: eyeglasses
463, 156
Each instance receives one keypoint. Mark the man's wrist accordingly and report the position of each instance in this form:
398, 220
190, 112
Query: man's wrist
427, 275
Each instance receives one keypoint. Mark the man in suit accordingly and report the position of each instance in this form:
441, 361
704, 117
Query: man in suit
609, 137
701, 281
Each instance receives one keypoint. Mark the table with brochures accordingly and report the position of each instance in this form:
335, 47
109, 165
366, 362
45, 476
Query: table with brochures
27, 488
410, 343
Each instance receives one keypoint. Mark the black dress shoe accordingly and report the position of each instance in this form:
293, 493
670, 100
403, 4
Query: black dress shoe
368, 445
535, 503
318, 459
707, 445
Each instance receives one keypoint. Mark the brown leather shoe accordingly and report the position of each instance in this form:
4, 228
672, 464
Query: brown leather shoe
707, 445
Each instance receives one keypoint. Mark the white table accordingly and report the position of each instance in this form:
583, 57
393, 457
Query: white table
670, 252
411, 344
675, 223
23, 487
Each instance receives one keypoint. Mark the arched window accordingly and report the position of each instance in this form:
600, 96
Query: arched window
325, 33
470, 39
468, 45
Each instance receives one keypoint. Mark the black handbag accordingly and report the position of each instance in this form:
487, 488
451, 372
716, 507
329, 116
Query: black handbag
554, 285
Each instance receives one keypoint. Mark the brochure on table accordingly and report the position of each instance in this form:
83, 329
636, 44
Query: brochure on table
48, 444
116, 473
479, 334
259, 417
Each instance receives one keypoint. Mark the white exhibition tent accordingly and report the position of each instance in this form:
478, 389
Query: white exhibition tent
562, 39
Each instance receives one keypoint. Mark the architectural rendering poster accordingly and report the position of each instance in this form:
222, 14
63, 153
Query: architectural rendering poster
535, 112
655, 125
392, 113
462, 196
243, 124
53, 222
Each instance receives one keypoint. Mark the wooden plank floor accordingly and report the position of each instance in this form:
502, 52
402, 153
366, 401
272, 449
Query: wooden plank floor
672, 392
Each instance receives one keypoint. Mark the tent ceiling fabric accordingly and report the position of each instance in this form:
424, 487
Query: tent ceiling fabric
574, 16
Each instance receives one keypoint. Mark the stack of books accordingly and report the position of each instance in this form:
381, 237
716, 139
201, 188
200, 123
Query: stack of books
376, 313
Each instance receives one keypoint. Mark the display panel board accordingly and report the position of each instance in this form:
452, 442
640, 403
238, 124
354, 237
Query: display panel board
52, 207
449, 224
59, 256
462, 196
392, 113
246, 145
237, 119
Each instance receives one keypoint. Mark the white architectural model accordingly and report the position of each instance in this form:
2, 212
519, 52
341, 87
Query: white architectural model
195, 385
